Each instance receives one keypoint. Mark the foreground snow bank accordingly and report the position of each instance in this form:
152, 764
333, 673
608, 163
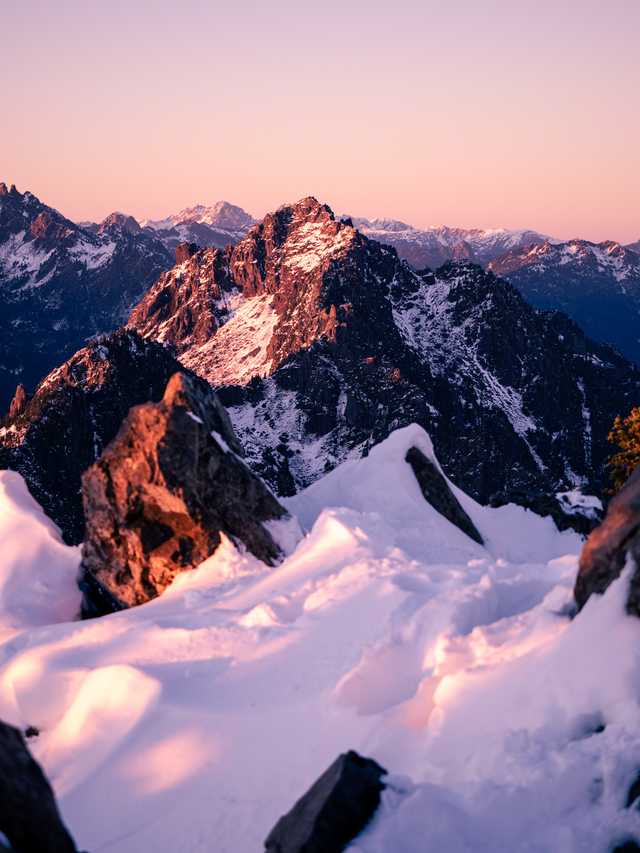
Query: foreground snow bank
37, 571
192, 723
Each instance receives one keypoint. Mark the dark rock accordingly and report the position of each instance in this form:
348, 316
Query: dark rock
633, 792
29, 817
605, 553
630, 845
74, 414
436, 492
161, 495
334, 810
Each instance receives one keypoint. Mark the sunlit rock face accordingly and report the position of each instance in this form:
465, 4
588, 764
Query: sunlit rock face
75, 412
322, 341
163, 493
612, 546
62, 283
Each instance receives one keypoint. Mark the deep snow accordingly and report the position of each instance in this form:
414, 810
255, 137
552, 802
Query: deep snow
191, 723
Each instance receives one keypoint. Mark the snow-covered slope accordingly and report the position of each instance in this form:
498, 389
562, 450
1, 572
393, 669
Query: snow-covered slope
434, 246
193, 722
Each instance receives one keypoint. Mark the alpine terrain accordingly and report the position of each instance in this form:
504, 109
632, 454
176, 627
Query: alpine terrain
325, 342
61, 283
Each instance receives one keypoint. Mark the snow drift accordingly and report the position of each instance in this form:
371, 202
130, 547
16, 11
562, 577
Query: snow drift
193, 722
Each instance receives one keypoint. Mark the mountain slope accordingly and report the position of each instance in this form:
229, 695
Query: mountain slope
330, 342
218, 225
597, 284
60, 283
432, 247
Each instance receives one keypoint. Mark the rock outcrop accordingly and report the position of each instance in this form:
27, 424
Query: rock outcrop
74, 413
611, 545
29, 817
436, 492
163, 493
334, 810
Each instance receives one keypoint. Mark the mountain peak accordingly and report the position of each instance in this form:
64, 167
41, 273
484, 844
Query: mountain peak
121, 221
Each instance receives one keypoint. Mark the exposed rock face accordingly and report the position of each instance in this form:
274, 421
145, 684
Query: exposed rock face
161, 495
74, 414
596, 284
607, 549
436, 491
184, 251
29, 817
326, 342
61, 283
334, 810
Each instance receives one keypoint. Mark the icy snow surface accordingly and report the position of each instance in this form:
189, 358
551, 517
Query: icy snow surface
188, 725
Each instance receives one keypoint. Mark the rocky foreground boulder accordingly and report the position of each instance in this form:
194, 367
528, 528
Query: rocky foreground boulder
608, 548
334, 810
52, 437
162, 494
29, 817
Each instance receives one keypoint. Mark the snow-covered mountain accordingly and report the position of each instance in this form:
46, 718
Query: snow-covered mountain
329, 342
61, 283
193, 722
597, 284
217, 225
432, 247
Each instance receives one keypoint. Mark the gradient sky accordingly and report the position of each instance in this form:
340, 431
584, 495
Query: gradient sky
464, 112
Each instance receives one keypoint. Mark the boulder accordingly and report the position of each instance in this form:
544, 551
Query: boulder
162, 494
334, 810
436, 491
607, 549
29, 817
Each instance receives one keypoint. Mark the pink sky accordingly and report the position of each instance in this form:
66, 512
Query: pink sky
465, 112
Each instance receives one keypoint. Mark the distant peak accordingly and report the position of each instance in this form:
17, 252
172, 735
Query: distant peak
120, 220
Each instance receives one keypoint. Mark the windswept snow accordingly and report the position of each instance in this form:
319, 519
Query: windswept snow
193, 722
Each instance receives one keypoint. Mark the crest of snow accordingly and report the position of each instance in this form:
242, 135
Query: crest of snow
238, 350
313, 244
451, 664
575, 501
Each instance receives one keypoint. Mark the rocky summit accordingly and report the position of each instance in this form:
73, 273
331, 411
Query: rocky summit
162, 494
62, 283
325, 341
74, 413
